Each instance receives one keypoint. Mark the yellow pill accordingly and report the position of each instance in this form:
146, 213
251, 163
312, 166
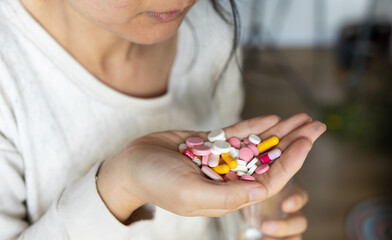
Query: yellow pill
229, 160
267, 144
221, 169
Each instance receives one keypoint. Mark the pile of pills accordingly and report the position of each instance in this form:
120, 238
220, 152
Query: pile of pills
232, 159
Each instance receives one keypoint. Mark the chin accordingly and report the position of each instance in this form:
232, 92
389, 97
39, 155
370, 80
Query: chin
151, 38
151, 32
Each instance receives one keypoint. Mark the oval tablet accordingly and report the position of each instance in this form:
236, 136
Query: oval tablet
216, 135
208, 144
246, 141
231, 176
211, 174
251, 170
221, 147
235, 142
213, 160
252, 163
245, 154
248, 178
201, 150
254, 139
193, 141
262, 169
234, 152
254, 149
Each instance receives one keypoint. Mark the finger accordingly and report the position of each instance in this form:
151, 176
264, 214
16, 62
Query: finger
284, 127
241, 129
251, 126
290, 162
297, 199
299, 237
311, 130
206, 194
293, 225
283, 169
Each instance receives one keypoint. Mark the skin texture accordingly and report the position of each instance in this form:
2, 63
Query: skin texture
133, 53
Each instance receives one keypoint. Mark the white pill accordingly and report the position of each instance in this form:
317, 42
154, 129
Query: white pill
254, 139
217, 135
251, 170
234, 152
253, 233
241, 162
182, 146
213, 160
215, 151
252, 163
221, 147
241, 174
208, 144
240, 168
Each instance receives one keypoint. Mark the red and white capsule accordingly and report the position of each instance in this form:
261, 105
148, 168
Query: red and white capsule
270, 156
192, 157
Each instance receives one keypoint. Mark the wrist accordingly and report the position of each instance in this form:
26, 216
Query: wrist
116, 189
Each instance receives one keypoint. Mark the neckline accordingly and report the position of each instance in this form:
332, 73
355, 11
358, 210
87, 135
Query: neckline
88, 83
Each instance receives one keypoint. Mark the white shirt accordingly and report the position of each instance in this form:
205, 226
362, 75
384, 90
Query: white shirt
58, 122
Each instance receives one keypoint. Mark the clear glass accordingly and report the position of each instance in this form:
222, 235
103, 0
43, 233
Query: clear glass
245, 224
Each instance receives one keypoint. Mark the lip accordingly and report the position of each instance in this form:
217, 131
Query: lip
165, 16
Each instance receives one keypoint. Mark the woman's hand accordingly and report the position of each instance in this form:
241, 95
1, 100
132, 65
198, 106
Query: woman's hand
292, 227
150, 170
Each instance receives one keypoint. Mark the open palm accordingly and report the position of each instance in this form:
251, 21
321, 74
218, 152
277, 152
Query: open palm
173, 182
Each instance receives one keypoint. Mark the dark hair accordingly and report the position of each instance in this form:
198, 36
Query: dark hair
230, 17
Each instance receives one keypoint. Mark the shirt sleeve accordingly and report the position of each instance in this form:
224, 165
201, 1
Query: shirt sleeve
79, 213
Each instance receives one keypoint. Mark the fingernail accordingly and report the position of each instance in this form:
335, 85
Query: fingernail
256, 194
289, 204
269, 227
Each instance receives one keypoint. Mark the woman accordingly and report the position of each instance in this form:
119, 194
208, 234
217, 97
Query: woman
81, 80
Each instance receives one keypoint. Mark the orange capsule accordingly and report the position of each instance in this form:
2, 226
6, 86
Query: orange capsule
229, 160
221, 169
268, 144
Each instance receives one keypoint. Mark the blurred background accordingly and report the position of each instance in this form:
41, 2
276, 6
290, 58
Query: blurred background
333, 60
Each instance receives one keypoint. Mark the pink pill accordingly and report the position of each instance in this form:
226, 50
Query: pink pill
235, 142
211, 173
262, 169
193, 141
246, 141
231, 176
204, 160
213, 160
201, 150
245, 154
255, 150
189, 154
248, 178
270, 156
